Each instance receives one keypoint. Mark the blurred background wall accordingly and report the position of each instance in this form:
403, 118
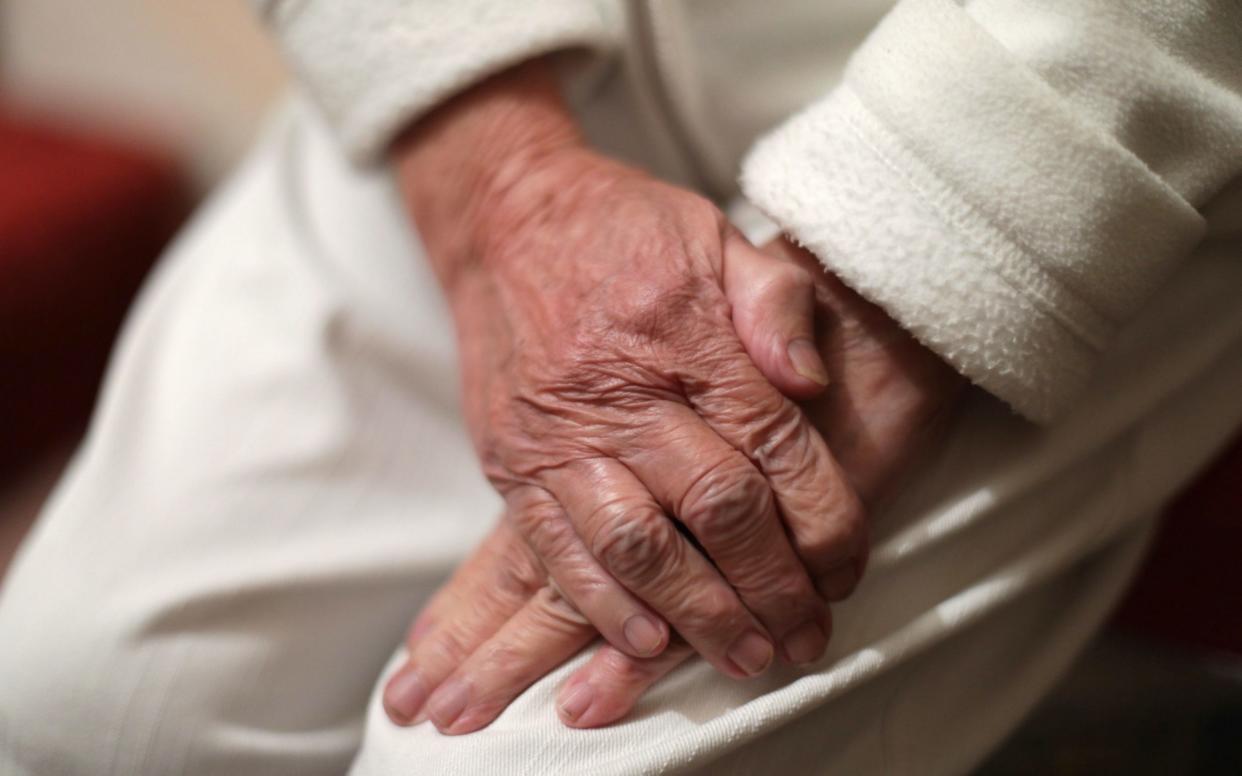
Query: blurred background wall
194, 76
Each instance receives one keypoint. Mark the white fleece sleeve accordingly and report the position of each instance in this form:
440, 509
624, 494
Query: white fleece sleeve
375, 65
1011, 179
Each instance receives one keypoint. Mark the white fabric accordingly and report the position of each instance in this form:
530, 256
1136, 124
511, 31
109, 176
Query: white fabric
1024, 173
277, 477
376, 65
1036, 167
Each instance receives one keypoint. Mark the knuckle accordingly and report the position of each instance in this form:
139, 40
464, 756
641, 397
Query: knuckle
446, 647
790, 596
636, 543
558, 609
786, 280
621, 670
529, 516
843, 535
780, 440
700, 216
516, 578
798, 276
666, 311
547, 531
763, 422
499, 656
849, 527
704, 212
712, 609
724, 506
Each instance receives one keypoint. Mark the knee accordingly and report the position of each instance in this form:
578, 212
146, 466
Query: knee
61, 690
76, 694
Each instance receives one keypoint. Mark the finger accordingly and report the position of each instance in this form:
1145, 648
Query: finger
727, 504
539, 637
607, 687
622, 619
493, 584
641, 547
819, 505
773, 304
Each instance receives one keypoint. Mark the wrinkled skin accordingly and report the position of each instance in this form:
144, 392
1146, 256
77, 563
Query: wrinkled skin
606, 388
500, 625
626, 357
630, 366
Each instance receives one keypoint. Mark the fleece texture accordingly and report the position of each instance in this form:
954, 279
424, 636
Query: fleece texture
1010, 179
374, 66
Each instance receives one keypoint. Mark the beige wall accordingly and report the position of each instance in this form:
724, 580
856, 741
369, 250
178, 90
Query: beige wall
195, 74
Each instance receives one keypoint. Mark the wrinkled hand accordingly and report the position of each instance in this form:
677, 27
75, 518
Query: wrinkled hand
607, 388
499, 624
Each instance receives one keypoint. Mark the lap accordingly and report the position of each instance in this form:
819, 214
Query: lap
277, 477
919, 700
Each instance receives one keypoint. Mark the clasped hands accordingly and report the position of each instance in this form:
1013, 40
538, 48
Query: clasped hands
684, 428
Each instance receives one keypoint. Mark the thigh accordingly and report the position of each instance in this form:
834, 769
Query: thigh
995, 564
275, 478
909, 703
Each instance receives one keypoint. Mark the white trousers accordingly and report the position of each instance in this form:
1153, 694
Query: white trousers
277, 477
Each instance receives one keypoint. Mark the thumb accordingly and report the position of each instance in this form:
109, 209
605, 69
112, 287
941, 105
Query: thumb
773, 302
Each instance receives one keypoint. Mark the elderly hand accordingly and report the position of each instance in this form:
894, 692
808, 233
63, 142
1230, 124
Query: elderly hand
499, 624
607, 388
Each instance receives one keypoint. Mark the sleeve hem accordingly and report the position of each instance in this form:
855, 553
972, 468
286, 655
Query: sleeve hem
375, 67
835, 182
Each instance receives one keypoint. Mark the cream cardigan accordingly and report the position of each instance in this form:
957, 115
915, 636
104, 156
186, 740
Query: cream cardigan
1010, 179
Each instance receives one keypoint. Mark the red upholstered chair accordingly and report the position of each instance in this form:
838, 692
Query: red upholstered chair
81, 221
1189, 591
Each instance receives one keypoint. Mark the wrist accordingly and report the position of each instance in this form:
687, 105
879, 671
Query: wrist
457, 163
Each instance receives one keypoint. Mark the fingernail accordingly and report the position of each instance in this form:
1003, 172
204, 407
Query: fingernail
805, 643
806, 361
752, 653
405, 694
642, 634
576, 701
448, 702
